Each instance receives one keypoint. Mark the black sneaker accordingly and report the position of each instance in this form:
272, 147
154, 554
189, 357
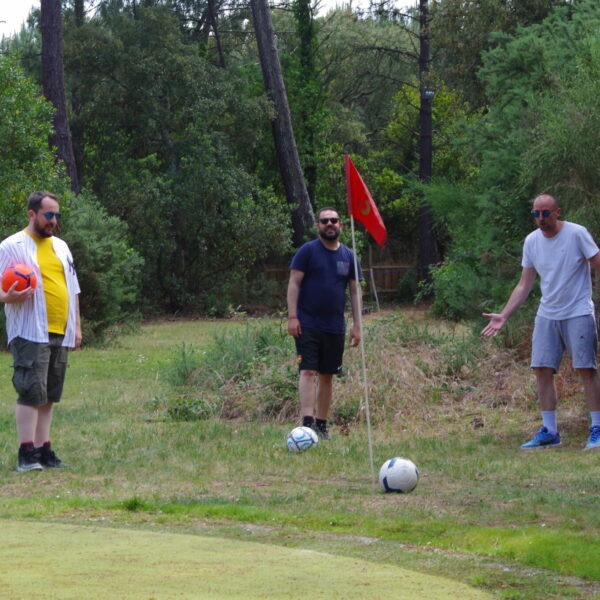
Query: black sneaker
48, 458
321, 429
308, 422
29, 459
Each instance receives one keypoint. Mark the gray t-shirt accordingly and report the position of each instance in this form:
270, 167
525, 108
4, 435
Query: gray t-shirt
562, 264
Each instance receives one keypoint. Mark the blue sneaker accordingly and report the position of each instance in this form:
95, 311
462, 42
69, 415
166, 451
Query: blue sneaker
544, 439
594, 441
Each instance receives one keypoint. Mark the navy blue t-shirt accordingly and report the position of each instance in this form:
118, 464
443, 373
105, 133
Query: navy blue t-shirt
322, 298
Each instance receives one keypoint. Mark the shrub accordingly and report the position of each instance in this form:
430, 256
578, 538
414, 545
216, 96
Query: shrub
107, 268
26, 163
189, 407
247, 372
408, 286
183, 366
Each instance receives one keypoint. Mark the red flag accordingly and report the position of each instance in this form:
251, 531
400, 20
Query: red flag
361, 205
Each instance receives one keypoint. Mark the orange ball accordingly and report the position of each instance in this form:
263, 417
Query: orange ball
22, 274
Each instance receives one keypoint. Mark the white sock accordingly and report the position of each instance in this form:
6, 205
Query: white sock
549, 420
595, 416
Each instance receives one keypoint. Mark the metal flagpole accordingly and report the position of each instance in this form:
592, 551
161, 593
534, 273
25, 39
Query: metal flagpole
372, 275
362, 352
374, 287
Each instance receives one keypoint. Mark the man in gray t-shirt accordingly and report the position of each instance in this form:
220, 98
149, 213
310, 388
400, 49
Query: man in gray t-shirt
561, 253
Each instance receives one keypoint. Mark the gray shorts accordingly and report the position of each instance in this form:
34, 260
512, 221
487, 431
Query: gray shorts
578, 336
39, 370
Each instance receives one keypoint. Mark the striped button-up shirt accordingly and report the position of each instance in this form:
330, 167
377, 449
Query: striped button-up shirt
29, 319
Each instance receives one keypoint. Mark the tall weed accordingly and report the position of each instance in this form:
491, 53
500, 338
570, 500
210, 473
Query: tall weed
248, 372
421, 372
412, 367
183, 366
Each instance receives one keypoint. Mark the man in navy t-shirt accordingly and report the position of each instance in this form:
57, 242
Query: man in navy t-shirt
316, 299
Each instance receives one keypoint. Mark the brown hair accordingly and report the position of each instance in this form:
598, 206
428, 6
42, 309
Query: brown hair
35, 199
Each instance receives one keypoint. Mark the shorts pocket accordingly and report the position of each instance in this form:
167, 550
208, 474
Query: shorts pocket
56, 375
25, 380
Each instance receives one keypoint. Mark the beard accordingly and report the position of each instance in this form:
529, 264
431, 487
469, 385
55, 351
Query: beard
329, 234
43, 232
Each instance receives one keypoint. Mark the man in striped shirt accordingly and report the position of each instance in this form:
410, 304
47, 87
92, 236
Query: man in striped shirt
41, 324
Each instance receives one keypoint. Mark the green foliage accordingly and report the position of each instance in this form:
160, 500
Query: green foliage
251, 373
362, 63
346, 412
168, 160
529, 141
408, 286
245, 371
26, 45
450, 117
26, 163
461, 33
307, 98
455, 350
190, 407
107, 268
183, 366
180, 148
457, 290
235, 356
565, 150
395, 165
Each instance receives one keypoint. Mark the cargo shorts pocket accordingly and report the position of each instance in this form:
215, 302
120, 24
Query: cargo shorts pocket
26, 380
56, 375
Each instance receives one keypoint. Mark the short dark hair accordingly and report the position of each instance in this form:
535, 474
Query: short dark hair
321, 210
35, 199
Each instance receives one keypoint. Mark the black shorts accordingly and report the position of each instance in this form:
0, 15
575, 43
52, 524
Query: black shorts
320, 351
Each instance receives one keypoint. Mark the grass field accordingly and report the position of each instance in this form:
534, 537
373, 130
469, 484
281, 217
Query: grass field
516, 525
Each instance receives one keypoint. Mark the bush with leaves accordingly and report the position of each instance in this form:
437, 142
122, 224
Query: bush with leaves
249, 372
107, 268
168, 137
537, 136
109, 271
26, 163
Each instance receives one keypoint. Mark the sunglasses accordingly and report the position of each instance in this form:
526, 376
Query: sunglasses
536, 214
51, 215
332, 220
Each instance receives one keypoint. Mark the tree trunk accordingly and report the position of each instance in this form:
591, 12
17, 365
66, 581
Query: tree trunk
283, 133
428, 254
212, 17
53, 81
79, 12
77, 124
309, 93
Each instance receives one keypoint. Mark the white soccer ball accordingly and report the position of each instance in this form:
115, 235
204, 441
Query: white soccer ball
398, 475
300, 439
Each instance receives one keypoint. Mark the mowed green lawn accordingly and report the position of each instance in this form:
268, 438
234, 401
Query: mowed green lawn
511, 524
100, 562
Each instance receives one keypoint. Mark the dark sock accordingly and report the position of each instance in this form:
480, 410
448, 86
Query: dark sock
321, 423
307, 421
27, 446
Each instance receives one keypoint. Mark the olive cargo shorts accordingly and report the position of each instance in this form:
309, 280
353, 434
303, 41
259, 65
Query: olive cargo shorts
39, 370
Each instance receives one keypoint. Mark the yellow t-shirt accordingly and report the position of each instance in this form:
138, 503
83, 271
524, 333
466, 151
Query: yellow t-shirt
55, 285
